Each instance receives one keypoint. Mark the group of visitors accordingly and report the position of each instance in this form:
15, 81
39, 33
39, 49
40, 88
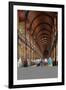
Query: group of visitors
37, 62
45, 61
48, 61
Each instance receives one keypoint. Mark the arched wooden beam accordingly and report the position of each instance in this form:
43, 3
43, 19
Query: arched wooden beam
42, 19
41, 25
43, 38
39, 16
43, 41
42, 29
43, 34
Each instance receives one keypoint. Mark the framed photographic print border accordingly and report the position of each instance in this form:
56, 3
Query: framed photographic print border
11, 48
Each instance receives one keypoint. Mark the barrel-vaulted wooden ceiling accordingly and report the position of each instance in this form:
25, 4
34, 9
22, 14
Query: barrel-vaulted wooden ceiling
41, 26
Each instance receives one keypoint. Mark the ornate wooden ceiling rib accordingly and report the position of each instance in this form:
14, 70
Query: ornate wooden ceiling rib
46, 33
41, 25
43, 38
41, 14
43, 41
41, 19
42, 29
43, 35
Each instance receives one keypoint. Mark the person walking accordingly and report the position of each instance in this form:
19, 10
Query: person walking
49, 61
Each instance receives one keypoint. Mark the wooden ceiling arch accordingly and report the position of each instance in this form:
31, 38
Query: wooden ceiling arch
43, 35
40, 24
41, 19
42, 29
37, 14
